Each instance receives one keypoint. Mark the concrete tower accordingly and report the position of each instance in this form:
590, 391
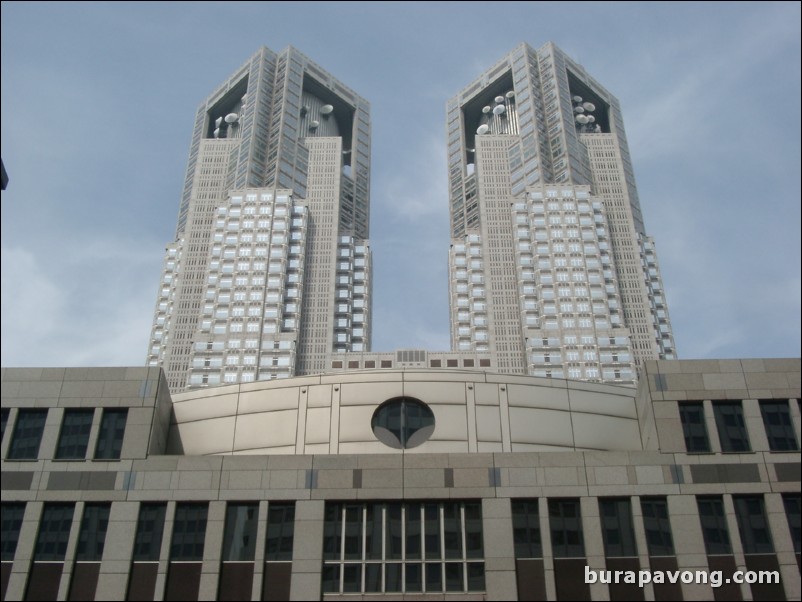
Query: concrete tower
269, 272
551, 270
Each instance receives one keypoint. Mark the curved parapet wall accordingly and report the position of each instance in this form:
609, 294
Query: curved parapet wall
336, 414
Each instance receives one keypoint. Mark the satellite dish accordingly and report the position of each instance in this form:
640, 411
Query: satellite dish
591, 119
486, 109
498, 109
577, 99
510, 94
499, 99
326, 109
218, 122
313, 124
483, 129
583, 119
217, 133
589, 106
579, 110
232, 117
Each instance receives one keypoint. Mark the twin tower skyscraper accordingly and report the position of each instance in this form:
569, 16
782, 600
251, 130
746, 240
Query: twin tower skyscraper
551, 272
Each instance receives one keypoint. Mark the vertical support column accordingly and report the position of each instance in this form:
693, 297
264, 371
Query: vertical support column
307, 550
498, 549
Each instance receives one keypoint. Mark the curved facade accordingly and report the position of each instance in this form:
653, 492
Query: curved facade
473, 412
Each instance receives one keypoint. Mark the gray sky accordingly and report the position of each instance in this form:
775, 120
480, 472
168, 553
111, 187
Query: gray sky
98, 101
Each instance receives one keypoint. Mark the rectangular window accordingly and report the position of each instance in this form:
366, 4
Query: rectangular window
189, 532
112, 431
410, 547
657, 526
526, 529
27, 434
149, 531
565, 521
752, 524
714, 525
74, 436
692, 417
280, 531
54, 532
239, 540
4, 412
92, 536
11, 520
779, 428
731, 426
617, 530
791, 501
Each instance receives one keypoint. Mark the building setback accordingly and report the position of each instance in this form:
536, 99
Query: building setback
551, 270
269, 272
448, 484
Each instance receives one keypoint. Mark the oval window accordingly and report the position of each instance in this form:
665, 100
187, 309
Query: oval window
402, 422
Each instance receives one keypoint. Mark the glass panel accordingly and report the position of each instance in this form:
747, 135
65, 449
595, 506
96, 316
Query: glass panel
239, 540
565, 519
149, 530
332, 532
657, 526
189, 532
112, 431
452, 533
432, 530
693, 427
394, 534
752, 523
476, 576
353, 532
11, 521
731, 427
413, 579
74, 436
331, 578
373, 532
27, 434
617, 531
526, 529
373, 577
793, 512
454, 577
392, 577
280, 531
473, 531
413, 532
352, 578
93, 532
714, 525
779, 428
434, 577
54, 531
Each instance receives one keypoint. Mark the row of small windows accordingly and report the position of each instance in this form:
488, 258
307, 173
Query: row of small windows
74, 435
433, 363
618, 531
731, 426
188, 534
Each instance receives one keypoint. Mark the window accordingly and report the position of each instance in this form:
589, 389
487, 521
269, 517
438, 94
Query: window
526, 529
92, 536
189, 532
280, 531
149, 530
714, 525
752, 524
410, 547
74, 436
403, 423
239, 540
11, 520
4, 412
731, 427
617, 530
27, 434
692, 417
565, 521
54, 532
779, 428
657, 526
791, 502
112, 431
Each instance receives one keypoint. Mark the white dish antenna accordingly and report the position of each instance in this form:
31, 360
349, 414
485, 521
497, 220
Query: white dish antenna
232, 118
483, 129
326, 109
